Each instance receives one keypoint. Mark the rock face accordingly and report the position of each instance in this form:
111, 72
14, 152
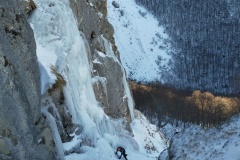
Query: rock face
114, 87
91, 17
92, 21
20, 134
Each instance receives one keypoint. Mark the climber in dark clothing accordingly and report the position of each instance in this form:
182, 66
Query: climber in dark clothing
122, 151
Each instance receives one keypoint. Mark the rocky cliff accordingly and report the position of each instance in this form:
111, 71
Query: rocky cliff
20, 134
25, 129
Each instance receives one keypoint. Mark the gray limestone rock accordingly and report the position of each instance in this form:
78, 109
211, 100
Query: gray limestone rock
91, 17
100, 90
19, 87
111, 70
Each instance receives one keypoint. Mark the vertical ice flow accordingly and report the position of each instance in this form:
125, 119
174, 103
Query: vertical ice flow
57, 35
56, 136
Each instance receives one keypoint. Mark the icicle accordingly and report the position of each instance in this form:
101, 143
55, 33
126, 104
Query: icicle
56, 136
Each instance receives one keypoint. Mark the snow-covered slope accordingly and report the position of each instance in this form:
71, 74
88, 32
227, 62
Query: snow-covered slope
221, 143
60, 44
139, 39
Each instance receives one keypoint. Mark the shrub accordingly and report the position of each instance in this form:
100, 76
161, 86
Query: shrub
60, 81
143, 14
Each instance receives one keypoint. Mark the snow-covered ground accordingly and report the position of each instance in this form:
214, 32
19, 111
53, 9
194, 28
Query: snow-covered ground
139, 39
61, 45
195, 143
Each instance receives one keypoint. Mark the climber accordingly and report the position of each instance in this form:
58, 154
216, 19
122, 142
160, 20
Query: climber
122, 151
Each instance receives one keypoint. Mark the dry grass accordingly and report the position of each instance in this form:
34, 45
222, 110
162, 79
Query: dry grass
60, 81
30, 6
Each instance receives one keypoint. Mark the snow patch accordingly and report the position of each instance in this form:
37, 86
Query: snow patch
139, 38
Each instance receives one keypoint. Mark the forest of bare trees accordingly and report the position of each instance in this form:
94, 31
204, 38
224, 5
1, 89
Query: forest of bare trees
205, 41
201, 108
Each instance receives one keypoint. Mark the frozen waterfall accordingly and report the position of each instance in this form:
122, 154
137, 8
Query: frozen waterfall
60, 44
